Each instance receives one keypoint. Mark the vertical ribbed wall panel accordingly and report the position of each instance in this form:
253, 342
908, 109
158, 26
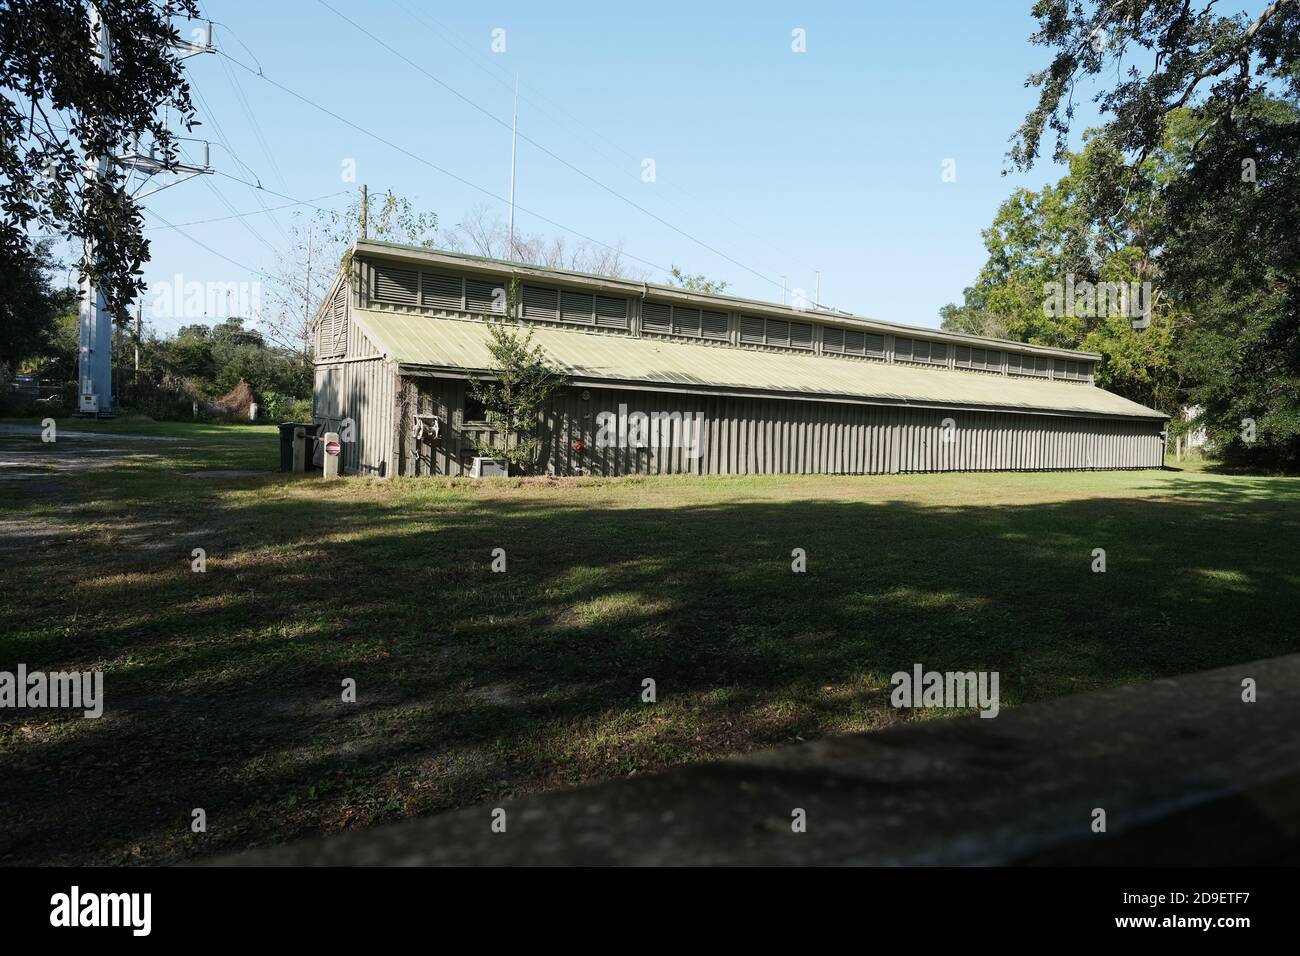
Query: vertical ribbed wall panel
363, 391
747, 436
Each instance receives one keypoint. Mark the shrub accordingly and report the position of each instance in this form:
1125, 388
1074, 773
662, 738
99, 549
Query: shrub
278, 407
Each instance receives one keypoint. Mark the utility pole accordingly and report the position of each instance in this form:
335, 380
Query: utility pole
365, 209
817, 295
783, 290
95, 324
95, 355
514, 136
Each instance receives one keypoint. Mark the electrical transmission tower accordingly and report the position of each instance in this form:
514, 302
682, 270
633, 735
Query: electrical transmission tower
95, 356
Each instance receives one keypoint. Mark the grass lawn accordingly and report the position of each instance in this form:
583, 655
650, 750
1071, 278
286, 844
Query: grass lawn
223, 688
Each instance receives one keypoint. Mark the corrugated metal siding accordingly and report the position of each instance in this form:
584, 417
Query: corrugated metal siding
451, 454
364, 391
771, 436
359, 346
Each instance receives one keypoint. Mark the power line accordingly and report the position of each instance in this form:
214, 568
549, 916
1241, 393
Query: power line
265, 189
204, 245
257, 212
697, 202
242, 221
252, 119
434, 166
548, 152
226, 142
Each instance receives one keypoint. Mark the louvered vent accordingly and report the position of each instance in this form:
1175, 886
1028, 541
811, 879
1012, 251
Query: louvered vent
778, 332
1070, 370
397, 286
340, 310
331, 331
852, 342
441, 290
1018, 364
611, 313
686, 321
324, 332
540, 303
577, 307
801, 335
751, 330
656, 317
714, 325
481, 297
920, 350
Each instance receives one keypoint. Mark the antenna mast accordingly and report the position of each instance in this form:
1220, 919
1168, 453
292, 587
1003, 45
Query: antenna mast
514, 133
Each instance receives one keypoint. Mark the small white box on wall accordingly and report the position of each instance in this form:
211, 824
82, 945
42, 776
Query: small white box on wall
489, 468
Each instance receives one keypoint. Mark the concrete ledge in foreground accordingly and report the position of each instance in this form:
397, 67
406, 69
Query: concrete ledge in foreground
1186, 772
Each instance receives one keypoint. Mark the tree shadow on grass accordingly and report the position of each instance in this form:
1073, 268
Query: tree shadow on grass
224, 688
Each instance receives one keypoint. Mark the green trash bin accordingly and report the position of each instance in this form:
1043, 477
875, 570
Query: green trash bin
286, 441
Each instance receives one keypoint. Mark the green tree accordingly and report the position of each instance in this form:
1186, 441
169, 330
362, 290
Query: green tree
321, 244
189, 353
972, 317
1045, 240
1215, 97
389, 218
695, 283
49, 76
58, 359
30, 305
521, 385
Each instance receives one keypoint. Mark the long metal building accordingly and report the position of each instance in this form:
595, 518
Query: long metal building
661, 380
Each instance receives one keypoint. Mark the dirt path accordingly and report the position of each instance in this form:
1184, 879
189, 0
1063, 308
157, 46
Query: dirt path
35, 462
8, 429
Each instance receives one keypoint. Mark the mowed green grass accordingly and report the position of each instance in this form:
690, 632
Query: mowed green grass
224, 688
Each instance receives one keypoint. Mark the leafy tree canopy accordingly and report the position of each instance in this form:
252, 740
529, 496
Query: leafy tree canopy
520, 388
695, 283
1047, 240
1191, 182
30, 305
57, 104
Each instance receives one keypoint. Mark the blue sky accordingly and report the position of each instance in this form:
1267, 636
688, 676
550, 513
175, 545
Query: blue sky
783, 162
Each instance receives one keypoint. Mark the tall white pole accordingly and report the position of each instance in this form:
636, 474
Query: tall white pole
817, 295
514, 131
95, 325
306, 301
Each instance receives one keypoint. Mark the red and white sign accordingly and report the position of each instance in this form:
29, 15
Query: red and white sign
333, 448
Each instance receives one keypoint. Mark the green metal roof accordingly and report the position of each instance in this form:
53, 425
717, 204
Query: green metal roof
461, 345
